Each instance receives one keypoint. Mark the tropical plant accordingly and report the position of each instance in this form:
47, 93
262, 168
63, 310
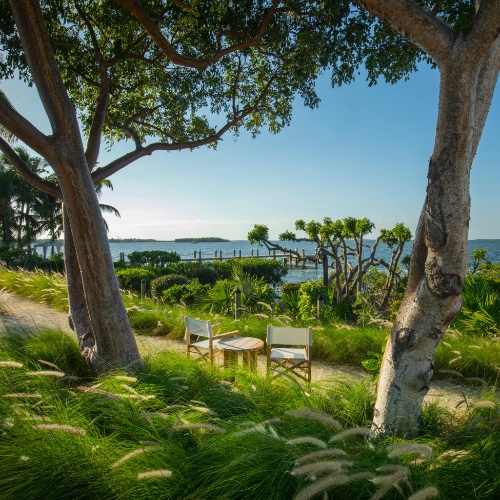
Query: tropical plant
221, 297
480, 314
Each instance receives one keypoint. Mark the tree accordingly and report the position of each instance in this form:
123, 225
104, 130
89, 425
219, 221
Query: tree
463, 41
148, 73
478, 257
8, 223
349, 264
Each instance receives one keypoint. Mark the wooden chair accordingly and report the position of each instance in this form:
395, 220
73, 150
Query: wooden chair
295, 359
206, 349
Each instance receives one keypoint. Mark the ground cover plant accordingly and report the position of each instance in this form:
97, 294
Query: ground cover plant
180, 429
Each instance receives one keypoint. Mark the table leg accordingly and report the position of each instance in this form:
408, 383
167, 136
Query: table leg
250, 360
230, 359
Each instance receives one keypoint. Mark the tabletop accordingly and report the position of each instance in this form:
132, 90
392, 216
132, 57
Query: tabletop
240, 344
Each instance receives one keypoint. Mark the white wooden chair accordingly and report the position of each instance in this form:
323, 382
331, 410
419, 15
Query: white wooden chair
296, 359
206, 349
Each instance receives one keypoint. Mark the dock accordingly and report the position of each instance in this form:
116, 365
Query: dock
292, 258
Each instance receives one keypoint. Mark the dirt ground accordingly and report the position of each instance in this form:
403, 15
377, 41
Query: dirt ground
21, 314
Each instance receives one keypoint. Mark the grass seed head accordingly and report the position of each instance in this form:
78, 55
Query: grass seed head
396, 450
425, 493
77, 431
315, 455
313, 414
354, 431
11, 364
327, 482
154, 474
307, 440
317, 467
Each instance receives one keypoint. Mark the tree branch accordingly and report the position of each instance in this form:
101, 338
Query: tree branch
139, 12
484, 29
95, 133
422, 28
21, 128
486, 84
141, 151
26, 173
44, 69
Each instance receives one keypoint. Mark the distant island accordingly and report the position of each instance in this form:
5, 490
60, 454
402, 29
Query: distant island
200, 240
129, 240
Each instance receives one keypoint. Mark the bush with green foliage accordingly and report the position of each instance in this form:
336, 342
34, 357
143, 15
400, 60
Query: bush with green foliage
308, 301
154, 258
491, 273
289, 287
132, 277
188, 293
159, 285
205, 275
253, 290
30, 260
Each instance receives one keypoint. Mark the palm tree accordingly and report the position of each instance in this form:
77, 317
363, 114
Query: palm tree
26, 212
29, 201
8, 223
106, 208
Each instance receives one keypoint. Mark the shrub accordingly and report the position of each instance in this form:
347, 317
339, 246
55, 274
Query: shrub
205, 275
220, 298
187, 293
143, 322
308, 302
480, 314
159, 285
17, 257
287, 288
131, 278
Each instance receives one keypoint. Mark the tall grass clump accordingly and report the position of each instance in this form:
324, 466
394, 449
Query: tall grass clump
46, 288
180, 429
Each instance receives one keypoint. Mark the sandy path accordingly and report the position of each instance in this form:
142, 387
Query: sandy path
23, 314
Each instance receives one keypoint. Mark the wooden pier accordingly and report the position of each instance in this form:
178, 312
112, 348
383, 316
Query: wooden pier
291, 258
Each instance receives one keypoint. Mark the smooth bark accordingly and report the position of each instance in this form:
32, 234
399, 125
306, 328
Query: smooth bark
78, 314
469, 70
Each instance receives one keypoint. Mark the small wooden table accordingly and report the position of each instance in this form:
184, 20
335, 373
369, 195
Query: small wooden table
248, 346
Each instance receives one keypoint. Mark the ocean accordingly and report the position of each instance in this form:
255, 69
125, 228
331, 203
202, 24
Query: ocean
296, 274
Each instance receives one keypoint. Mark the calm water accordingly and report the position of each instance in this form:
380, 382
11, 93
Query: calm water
186, 251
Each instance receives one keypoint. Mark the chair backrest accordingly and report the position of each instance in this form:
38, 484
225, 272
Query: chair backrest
287, 335
198, 327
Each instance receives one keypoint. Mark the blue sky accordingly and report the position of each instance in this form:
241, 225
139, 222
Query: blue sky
364, 153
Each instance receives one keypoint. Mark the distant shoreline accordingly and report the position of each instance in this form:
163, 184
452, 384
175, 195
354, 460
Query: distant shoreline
208, 239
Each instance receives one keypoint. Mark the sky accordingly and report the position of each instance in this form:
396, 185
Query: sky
363, 152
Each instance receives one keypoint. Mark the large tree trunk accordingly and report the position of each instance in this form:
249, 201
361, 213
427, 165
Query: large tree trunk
79, 318
115, 344
114, 341
439, 256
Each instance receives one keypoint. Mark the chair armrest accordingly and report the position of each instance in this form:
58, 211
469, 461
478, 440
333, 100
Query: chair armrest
224, 335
